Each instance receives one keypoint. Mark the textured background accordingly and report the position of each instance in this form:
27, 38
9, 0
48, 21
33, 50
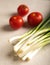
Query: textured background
7, 8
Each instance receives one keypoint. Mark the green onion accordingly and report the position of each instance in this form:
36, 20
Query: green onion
32, 41
16, 39
30, 54
24, 51
25, 38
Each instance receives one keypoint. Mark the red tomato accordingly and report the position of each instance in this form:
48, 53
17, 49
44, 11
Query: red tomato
23, 10
16, 22
35, 18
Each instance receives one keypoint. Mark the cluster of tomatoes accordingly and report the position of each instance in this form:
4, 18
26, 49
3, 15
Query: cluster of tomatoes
33, 18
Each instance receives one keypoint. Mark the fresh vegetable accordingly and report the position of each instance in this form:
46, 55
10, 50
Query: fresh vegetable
16, 22
30, 55
35, 49
26, 49
23, 10
25, 38
28, 44
35, 18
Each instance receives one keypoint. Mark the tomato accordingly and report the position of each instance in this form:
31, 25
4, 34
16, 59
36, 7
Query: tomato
16, 22
23, 10
35, 18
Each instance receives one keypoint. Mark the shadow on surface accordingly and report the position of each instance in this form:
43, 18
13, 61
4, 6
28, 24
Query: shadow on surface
26, 25
12, 14
14, 57
7, 28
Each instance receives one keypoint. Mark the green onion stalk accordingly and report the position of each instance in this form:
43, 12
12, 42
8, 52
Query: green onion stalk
32, 41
